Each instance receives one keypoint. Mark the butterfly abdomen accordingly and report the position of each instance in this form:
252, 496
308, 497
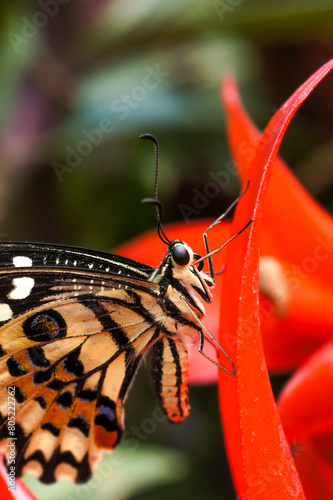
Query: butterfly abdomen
169, 378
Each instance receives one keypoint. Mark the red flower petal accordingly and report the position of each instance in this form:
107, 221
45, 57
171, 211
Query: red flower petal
291, 339
5, 493
260, 459
289, 209
22, 492
305, 405
315, 472
307, 260
306, 411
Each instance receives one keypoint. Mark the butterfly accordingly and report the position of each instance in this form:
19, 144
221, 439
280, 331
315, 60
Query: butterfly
74, 327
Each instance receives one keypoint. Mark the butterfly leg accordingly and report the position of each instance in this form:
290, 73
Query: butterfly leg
212, 339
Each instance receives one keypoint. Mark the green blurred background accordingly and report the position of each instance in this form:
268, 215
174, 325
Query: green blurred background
70, 66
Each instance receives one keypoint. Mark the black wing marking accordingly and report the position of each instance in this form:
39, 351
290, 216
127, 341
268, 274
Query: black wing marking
71, 362
52, 256
72, 334
31, 273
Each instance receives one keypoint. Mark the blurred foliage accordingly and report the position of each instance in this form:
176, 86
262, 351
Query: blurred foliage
69, 67
119, 475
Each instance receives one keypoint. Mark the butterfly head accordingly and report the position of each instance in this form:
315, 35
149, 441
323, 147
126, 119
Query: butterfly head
178, 273
184, 261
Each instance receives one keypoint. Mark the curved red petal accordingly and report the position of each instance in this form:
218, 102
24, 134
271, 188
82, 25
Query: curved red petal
306, 411
289, 209
289, 340
253, 430
21, 491
316, 473
305, 405
307, 260
4, 491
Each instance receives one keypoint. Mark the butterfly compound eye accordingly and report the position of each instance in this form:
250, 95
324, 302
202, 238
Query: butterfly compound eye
180, 255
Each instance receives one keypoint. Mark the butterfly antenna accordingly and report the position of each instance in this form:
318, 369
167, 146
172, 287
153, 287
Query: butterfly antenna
155, 201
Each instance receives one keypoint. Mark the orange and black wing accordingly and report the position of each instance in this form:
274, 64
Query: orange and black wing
71, 339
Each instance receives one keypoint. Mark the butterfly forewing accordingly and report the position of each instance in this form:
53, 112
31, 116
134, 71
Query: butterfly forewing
71, 339
74, 326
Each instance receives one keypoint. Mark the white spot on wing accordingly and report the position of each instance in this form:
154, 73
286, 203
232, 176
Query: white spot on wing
5, 312
22, 288
21, 261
